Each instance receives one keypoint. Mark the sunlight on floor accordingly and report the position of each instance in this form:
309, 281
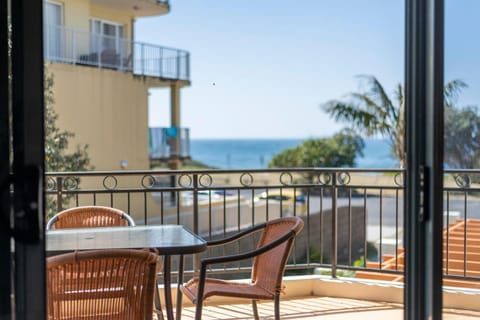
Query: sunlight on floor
318, 308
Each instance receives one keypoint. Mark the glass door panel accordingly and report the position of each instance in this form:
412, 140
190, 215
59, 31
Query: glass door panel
110, 34
462, 144
106, 41
53, 17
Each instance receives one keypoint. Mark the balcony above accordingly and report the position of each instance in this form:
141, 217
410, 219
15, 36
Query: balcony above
137, 8
73, 46
169, 144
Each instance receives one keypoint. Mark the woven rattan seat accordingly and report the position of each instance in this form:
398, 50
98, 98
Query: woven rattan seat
269, 262
117, 284
88, 217
98, 216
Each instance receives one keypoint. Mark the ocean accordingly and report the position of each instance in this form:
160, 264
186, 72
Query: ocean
256, 153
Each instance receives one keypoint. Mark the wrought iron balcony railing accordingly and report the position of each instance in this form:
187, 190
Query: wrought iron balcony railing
67, 45
353, 217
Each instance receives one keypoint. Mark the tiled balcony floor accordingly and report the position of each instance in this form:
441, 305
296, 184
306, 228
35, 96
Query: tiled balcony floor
324, 308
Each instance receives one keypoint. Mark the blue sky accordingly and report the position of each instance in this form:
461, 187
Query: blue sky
261, 68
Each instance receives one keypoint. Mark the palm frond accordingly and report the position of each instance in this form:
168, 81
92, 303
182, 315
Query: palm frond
377, 92
386, 107
370, 105
364, 120
451, 90
399, 95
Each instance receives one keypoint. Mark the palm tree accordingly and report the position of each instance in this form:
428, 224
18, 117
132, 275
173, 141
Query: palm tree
374, 113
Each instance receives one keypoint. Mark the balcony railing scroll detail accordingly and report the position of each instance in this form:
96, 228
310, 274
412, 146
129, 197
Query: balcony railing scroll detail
353, 217
68, 45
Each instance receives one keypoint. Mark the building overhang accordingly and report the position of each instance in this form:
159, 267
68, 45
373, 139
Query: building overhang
160, 82
137, 8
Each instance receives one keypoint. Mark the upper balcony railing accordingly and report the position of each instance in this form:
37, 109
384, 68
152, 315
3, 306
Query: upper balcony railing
67, 45
353, 217
169, 143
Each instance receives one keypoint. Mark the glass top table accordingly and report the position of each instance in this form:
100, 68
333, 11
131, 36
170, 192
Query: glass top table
166, 239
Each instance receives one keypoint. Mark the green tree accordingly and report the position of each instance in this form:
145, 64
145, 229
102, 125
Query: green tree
462, 137
289, 158
373, 112
57, 155
339, 150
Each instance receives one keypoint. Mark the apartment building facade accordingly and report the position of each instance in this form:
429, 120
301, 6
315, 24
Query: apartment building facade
102, 76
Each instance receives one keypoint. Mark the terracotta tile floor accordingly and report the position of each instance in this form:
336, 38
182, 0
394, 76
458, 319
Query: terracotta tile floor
323, 308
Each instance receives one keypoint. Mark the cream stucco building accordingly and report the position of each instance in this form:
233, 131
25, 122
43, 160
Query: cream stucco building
102, 76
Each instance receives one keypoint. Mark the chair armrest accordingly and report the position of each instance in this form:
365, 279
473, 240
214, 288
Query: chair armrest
248, 254
236, 236
51, 222
131, 222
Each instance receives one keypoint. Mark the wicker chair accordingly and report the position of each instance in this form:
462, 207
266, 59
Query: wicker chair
88, 217
98, 216
117, 284
269, 262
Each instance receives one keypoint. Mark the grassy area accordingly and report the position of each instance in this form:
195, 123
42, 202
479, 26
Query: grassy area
194, 164
187, 165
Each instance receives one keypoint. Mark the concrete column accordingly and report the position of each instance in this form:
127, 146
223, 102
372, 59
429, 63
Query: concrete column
175, 105
173, 163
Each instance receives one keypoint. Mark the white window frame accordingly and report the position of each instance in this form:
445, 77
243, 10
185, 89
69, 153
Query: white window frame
54, 34
62, 11
117, 37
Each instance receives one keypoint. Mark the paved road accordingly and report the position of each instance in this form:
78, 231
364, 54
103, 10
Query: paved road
387, 209
384, 214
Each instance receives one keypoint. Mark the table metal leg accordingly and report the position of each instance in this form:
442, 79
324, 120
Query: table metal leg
178, 313
167, 287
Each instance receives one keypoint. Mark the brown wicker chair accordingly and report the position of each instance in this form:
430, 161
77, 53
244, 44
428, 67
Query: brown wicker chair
88, 217
98, 216
117, 284
269, 262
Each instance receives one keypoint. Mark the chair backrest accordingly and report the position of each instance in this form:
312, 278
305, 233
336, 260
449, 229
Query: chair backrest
268, 268
88, 217
116, 284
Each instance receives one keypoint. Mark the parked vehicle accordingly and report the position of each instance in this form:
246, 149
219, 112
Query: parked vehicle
282, 196
291, 203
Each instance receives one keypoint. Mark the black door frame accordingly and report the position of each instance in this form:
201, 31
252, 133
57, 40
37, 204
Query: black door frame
27, 132
5, 201
424, 78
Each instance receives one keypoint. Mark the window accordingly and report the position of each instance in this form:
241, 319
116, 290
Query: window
107, 36
53, 17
